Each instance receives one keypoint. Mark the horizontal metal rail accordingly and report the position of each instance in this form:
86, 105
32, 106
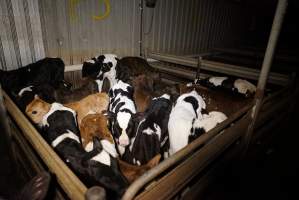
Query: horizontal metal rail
255, 54
229, 69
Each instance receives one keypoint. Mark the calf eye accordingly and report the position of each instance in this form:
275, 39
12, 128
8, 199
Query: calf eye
34, 112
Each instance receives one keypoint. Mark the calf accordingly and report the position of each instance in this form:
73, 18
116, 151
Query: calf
136, 66
143, 92
151, 133
67, 96
94, 103
217, 100
95, 167
94, 125
187, 109
132, 172
201, 126
231, 84
45, 71
104, 67
121, 110
26, 94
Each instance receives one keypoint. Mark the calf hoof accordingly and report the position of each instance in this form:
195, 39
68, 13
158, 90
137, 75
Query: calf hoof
95, 193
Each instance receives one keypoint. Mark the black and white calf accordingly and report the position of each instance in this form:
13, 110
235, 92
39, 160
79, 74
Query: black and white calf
121, 110
25, 95
240, 86
151, 133
94, 167
186, 110
208, 121
101, 68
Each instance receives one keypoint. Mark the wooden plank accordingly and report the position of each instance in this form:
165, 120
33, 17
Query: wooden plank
70, 183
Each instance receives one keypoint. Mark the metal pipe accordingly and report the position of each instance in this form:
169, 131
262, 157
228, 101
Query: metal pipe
255, 53
213, 66
276, 27
199, 63
180, 155
141, 28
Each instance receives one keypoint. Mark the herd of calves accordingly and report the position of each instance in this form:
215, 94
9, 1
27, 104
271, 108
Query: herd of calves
122, 122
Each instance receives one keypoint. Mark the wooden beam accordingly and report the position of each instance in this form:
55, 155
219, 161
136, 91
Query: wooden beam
70, 183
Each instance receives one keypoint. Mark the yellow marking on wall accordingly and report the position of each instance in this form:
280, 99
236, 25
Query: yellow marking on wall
74, 3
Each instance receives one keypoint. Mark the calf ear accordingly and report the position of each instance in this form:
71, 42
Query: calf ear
136, 117
87, 69
109, 114
130, 89
97, 145
101, 58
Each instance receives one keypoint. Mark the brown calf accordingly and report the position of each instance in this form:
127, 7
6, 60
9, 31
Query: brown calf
94, 103
94, 125
132, 172
142, 92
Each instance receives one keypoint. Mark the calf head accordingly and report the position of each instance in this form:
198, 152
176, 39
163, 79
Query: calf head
94, 125
144, 82
91, 70
104, 169
196, 101
37, 109
26, 94
123, 126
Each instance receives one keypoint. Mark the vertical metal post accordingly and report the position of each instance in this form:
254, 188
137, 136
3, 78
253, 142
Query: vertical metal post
267, 62
199, 63
141, 28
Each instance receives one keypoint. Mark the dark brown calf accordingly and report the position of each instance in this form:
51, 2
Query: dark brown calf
66, 96
142, 92
218, 100
132, 172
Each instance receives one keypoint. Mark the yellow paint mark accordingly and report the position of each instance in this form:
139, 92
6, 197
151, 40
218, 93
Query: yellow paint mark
107, 11
74, 3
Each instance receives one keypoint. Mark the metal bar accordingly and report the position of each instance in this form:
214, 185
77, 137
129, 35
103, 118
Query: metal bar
180, 155
177, 72
141, 28
255, 54
234, 70
276, 27
199, 63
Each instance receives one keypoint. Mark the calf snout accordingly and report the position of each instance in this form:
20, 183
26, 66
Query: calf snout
123, 139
